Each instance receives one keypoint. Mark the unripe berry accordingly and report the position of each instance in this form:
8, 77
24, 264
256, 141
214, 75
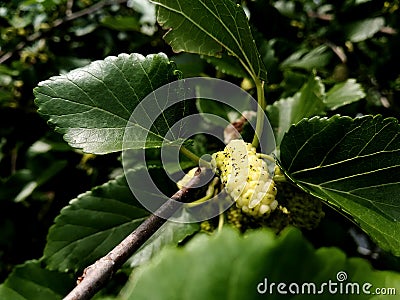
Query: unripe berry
246, 178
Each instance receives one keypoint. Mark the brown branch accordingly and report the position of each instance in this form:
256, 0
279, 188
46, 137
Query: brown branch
87, 11
69, 17
95, 276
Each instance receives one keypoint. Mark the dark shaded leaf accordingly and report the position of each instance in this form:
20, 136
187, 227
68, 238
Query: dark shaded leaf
30, 281
353, 164
171, 233
210, 28
230, 266
93, 224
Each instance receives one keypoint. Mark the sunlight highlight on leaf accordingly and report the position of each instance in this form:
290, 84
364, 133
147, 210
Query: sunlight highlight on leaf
92, 105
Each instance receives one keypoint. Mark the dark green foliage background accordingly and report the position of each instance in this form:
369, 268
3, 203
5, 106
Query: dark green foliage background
40, 173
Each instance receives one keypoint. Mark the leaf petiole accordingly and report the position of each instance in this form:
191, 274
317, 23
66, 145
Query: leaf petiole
260, 112
221, 219
193, 157
189, 154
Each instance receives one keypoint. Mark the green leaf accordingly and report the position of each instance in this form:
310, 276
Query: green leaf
286, 8
231, 266
306, 103
354, 164
227, 65
13, 185
42, 178
209, 28
171, 233
270, 59
309, 102
222, 110
218, 113
121, 23
343, 93
365, 29
30, 281
94, 223
308, 60
191, 65
280, 116
92, 105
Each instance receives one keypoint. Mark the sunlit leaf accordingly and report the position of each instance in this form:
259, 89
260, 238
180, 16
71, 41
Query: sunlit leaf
92, 105
344, 93
308, 59
365, 29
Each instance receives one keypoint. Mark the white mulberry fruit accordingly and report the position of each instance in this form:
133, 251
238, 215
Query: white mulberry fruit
246, 178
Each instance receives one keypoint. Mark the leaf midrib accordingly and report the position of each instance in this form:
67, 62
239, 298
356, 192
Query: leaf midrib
320, 167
